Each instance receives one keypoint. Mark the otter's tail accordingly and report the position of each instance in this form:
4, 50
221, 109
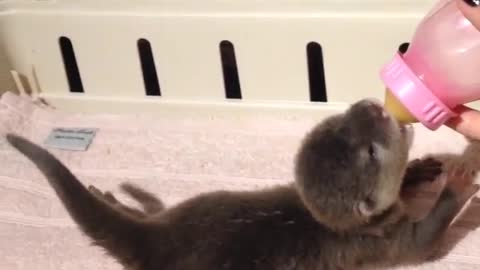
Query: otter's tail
109, 228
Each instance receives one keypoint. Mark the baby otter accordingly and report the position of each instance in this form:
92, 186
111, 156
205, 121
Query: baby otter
349, 173
351, 167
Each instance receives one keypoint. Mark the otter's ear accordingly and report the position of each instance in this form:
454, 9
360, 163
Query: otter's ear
366, 208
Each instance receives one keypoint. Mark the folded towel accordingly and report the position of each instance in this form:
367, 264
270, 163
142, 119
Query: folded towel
176, 158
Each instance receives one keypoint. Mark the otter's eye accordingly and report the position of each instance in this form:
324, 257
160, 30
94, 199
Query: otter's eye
371, 151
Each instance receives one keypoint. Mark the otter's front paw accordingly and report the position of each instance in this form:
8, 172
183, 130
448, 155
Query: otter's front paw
420, 171
461, 182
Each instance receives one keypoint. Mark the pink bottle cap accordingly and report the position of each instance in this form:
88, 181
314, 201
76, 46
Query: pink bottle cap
414, 95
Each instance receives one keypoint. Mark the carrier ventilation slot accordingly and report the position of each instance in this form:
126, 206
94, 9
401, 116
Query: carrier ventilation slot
403, 47
230, 70
71, 66
149, 71
316, 73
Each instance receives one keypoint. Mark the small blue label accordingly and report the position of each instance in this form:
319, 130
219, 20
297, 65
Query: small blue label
73, 139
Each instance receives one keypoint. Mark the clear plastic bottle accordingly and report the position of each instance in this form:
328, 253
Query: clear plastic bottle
440, 70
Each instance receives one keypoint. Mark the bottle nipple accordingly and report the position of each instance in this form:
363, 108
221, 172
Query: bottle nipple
397, 110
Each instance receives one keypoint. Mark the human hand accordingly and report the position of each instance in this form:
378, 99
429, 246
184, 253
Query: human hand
467, 122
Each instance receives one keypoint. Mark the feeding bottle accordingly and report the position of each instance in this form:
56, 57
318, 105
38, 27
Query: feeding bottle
439, 71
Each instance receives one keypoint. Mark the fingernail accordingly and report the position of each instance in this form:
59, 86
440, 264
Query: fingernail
473, 3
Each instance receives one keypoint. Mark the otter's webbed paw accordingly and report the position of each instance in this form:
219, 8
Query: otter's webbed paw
425, 234
420, 171
109, 198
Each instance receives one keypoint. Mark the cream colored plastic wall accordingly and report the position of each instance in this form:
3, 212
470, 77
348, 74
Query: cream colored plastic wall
270, 39
6, 81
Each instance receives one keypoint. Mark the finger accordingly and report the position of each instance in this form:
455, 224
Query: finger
467, 122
